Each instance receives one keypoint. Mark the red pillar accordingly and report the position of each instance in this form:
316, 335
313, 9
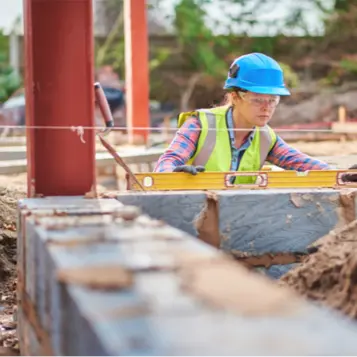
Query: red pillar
59, 92
136, 67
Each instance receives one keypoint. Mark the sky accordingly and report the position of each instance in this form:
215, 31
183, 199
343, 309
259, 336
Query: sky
10, 9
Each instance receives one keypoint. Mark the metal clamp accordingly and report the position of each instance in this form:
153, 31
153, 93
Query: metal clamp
260, 182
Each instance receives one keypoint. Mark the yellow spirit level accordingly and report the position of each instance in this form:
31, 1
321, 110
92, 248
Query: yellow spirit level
174, 181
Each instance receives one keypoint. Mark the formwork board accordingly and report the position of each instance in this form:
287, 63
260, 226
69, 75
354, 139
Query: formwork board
130, 285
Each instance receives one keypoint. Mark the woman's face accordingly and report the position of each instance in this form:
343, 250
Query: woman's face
256, 109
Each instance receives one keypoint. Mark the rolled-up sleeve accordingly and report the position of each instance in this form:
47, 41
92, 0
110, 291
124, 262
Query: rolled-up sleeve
288, 158
182, 147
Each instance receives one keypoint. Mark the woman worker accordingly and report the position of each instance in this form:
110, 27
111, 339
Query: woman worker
236, 136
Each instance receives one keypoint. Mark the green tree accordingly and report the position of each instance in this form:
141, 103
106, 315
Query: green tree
112, 50
197, 48
9, 80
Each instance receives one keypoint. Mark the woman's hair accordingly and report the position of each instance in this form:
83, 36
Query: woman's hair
227, 99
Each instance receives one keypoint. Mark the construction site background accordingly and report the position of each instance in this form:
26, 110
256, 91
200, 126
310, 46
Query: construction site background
320, 69
313, 40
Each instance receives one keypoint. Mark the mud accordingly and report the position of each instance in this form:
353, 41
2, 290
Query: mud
8, 235
329, 276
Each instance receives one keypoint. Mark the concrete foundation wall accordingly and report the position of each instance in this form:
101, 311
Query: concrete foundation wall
178, 209
99, 278
254, 222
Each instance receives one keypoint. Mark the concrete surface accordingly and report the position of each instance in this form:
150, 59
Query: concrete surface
178, 209
276, 220
76, 260
251, 221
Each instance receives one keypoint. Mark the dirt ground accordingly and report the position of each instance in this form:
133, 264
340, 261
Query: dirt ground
327, 283
327, 148
329, 276
9, 196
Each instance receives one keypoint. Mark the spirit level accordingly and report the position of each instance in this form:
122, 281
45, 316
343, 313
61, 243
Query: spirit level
174, 181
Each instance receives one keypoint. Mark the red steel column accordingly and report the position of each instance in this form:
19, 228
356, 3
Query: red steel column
136, 67
59, 92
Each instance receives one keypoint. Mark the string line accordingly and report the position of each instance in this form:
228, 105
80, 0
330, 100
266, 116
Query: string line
163, 129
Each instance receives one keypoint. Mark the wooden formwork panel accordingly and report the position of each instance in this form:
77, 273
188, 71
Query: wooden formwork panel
100, 278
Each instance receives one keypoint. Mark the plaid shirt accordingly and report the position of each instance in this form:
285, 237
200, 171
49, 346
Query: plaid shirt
183, 147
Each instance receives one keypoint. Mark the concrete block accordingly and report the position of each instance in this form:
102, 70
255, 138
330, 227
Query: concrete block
31, 257
149, 317
156, 317
176, 299
259, 222
48, 207
275, 221
77, 243
277, 271
67, 203
178, 209
223, 334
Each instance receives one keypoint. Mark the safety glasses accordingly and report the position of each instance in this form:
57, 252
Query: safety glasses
271, 101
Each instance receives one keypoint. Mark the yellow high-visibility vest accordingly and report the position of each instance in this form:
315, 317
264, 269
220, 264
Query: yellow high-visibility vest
214, 147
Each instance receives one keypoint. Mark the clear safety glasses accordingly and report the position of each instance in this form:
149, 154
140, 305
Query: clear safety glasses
271, 101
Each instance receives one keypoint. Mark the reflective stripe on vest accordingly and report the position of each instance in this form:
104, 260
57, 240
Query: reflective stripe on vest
210, 142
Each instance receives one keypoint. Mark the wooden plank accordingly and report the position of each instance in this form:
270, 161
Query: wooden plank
345, 128
13, 141
19, 152
184, 299
12, 153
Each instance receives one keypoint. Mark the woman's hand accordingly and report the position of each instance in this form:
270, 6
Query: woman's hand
190, 169
350, 177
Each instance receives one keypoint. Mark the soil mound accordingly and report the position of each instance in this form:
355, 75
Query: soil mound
329, 276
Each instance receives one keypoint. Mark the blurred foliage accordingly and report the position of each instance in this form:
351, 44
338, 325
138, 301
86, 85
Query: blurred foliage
9, 80
112, 50
341, 71
340, 34
197, 62
196, 41
290, 76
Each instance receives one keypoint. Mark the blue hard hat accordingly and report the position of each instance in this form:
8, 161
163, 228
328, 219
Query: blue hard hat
258, 73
